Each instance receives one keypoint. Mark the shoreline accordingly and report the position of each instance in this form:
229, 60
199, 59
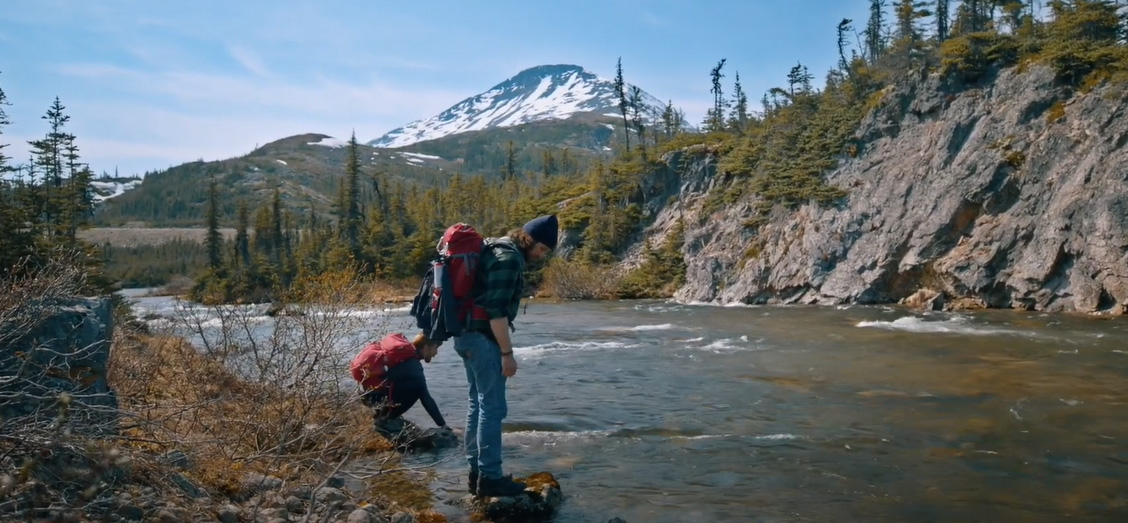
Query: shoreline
404, 299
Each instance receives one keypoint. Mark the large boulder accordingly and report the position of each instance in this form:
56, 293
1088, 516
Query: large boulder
55, 364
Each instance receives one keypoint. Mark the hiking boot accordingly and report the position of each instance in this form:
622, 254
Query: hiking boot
472, 482
499, 487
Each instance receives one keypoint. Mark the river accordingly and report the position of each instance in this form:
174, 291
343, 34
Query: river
654, 411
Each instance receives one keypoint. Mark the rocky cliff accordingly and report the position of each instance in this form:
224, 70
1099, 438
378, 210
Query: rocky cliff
1011, 193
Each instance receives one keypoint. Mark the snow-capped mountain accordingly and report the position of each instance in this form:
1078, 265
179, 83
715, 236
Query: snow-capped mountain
539, 93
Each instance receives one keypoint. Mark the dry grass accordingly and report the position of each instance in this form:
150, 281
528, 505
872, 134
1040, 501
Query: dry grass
276, 401
134, 236
279, 403
182, 400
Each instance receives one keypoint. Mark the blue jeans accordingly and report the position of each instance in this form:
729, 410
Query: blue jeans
486, 408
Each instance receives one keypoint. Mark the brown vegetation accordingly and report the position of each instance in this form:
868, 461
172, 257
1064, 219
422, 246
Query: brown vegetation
135, 236
194, 426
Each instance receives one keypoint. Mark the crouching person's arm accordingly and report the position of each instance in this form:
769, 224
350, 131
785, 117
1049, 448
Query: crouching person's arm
428, 350
432, 408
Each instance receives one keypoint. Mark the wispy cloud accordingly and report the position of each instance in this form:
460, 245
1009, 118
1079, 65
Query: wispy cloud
249, 60
317, 95
157, 118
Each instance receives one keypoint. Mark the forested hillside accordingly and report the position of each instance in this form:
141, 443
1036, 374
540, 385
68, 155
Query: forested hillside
758, 168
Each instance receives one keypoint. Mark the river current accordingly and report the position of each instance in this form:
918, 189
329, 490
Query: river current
655, 411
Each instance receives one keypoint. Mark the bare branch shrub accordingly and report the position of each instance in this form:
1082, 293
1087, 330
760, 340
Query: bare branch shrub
576, 280
265, 394
204, 412
55, 408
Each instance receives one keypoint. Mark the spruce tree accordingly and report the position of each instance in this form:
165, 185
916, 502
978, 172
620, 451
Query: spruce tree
15, 239
76, 201
636, 105
943, 19
548, 163
213, 242
4, 121
875, 41
48, 156
843, 28
621, 93
510, 172
276, 238
668, 119
739, 105
351, 227
242, 238
716, 119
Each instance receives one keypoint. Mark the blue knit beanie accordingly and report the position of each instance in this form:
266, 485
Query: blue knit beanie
543, 229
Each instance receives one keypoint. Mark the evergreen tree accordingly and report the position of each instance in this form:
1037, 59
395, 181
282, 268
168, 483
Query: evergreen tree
242, 239
943, 18
636, 105
1014, 16
875, 41
4, 121
548, 163
739, 116
48, 156
262, 247
213, 242
716, 117
277, 240
799, 77
621, 93
668, 119
16, 239
909, 42
76, 201
350, 228
843, 28
510, 172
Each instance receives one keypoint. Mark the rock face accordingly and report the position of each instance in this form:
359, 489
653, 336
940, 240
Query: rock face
60, 355
539, 502
1007, 194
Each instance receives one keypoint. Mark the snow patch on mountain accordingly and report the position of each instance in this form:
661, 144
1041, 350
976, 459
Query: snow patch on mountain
104, 190
329, 141
547, 92
421, 156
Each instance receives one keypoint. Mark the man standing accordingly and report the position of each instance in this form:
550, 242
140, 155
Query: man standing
487, 352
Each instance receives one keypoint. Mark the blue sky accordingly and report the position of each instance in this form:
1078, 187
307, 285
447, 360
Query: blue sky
150, 84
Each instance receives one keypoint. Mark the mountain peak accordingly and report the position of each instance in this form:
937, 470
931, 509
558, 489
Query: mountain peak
543, 92
544, 70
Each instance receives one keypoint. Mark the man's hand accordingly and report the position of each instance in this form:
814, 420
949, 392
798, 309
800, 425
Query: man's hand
508, 365
500, 328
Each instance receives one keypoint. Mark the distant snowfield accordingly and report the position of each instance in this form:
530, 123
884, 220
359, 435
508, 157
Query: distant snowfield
330, 142
105, 190
421, 156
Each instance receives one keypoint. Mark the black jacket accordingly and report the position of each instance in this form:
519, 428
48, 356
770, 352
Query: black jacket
408, 385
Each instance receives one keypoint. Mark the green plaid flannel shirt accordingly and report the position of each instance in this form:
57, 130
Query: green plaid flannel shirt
500, 283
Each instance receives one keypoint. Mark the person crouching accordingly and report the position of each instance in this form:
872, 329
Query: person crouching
391, 374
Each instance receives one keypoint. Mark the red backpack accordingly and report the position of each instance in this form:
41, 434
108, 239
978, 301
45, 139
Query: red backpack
443, 305
372, 364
